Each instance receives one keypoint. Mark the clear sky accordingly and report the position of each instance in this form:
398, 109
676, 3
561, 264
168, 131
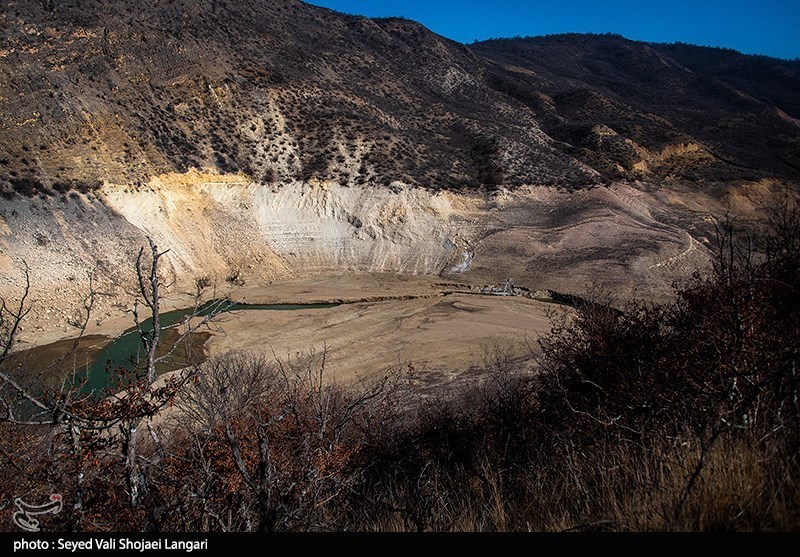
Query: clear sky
770, 27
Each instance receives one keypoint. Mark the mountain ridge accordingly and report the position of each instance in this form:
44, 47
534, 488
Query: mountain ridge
284, 91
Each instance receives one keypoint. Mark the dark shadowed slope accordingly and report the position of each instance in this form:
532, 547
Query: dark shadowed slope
694, 113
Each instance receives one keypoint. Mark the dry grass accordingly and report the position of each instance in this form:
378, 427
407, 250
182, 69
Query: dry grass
611, 487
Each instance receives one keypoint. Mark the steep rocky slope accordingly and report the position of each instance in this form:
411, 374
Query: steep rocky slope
667, 112
97, 91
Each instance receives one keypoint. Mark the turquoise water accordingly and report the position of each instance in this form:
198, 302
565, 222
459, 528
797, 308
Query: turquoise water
126, 351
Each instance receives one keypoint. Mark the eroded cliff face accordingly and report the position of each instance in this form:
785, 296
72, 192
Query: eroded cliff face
228, 229
220, 227
228, 223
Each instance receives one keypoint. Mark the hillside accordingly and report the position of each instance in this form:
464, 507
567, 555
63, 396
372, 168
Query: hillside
96, 92
280, 91
656, 111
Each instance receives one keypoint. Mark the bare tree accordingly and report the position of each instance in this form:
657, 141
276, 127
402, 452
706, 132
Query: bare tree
150, 287
22, 402
74, 410
11, 316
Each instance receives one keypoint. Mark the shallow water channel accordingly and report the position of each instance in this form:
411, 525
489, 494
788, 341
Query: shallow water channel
126, 350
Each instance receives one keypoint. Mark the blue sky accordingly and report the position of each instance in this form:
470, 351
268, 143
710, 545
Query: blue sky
770, 27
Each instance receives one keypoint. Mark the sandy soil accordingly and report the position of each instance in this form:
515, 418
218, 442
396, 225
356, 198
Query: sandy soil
343, 288
333, 288
442, 334
386, 321
625, 237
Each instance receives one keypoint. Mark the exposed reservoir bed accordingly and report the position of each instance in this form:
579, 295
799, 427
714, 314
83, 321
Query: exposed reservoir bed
126, 350
383, 322
95, 357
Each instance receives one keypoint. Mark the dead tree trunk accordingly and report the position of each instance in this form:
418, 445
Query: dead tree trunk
149, 283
